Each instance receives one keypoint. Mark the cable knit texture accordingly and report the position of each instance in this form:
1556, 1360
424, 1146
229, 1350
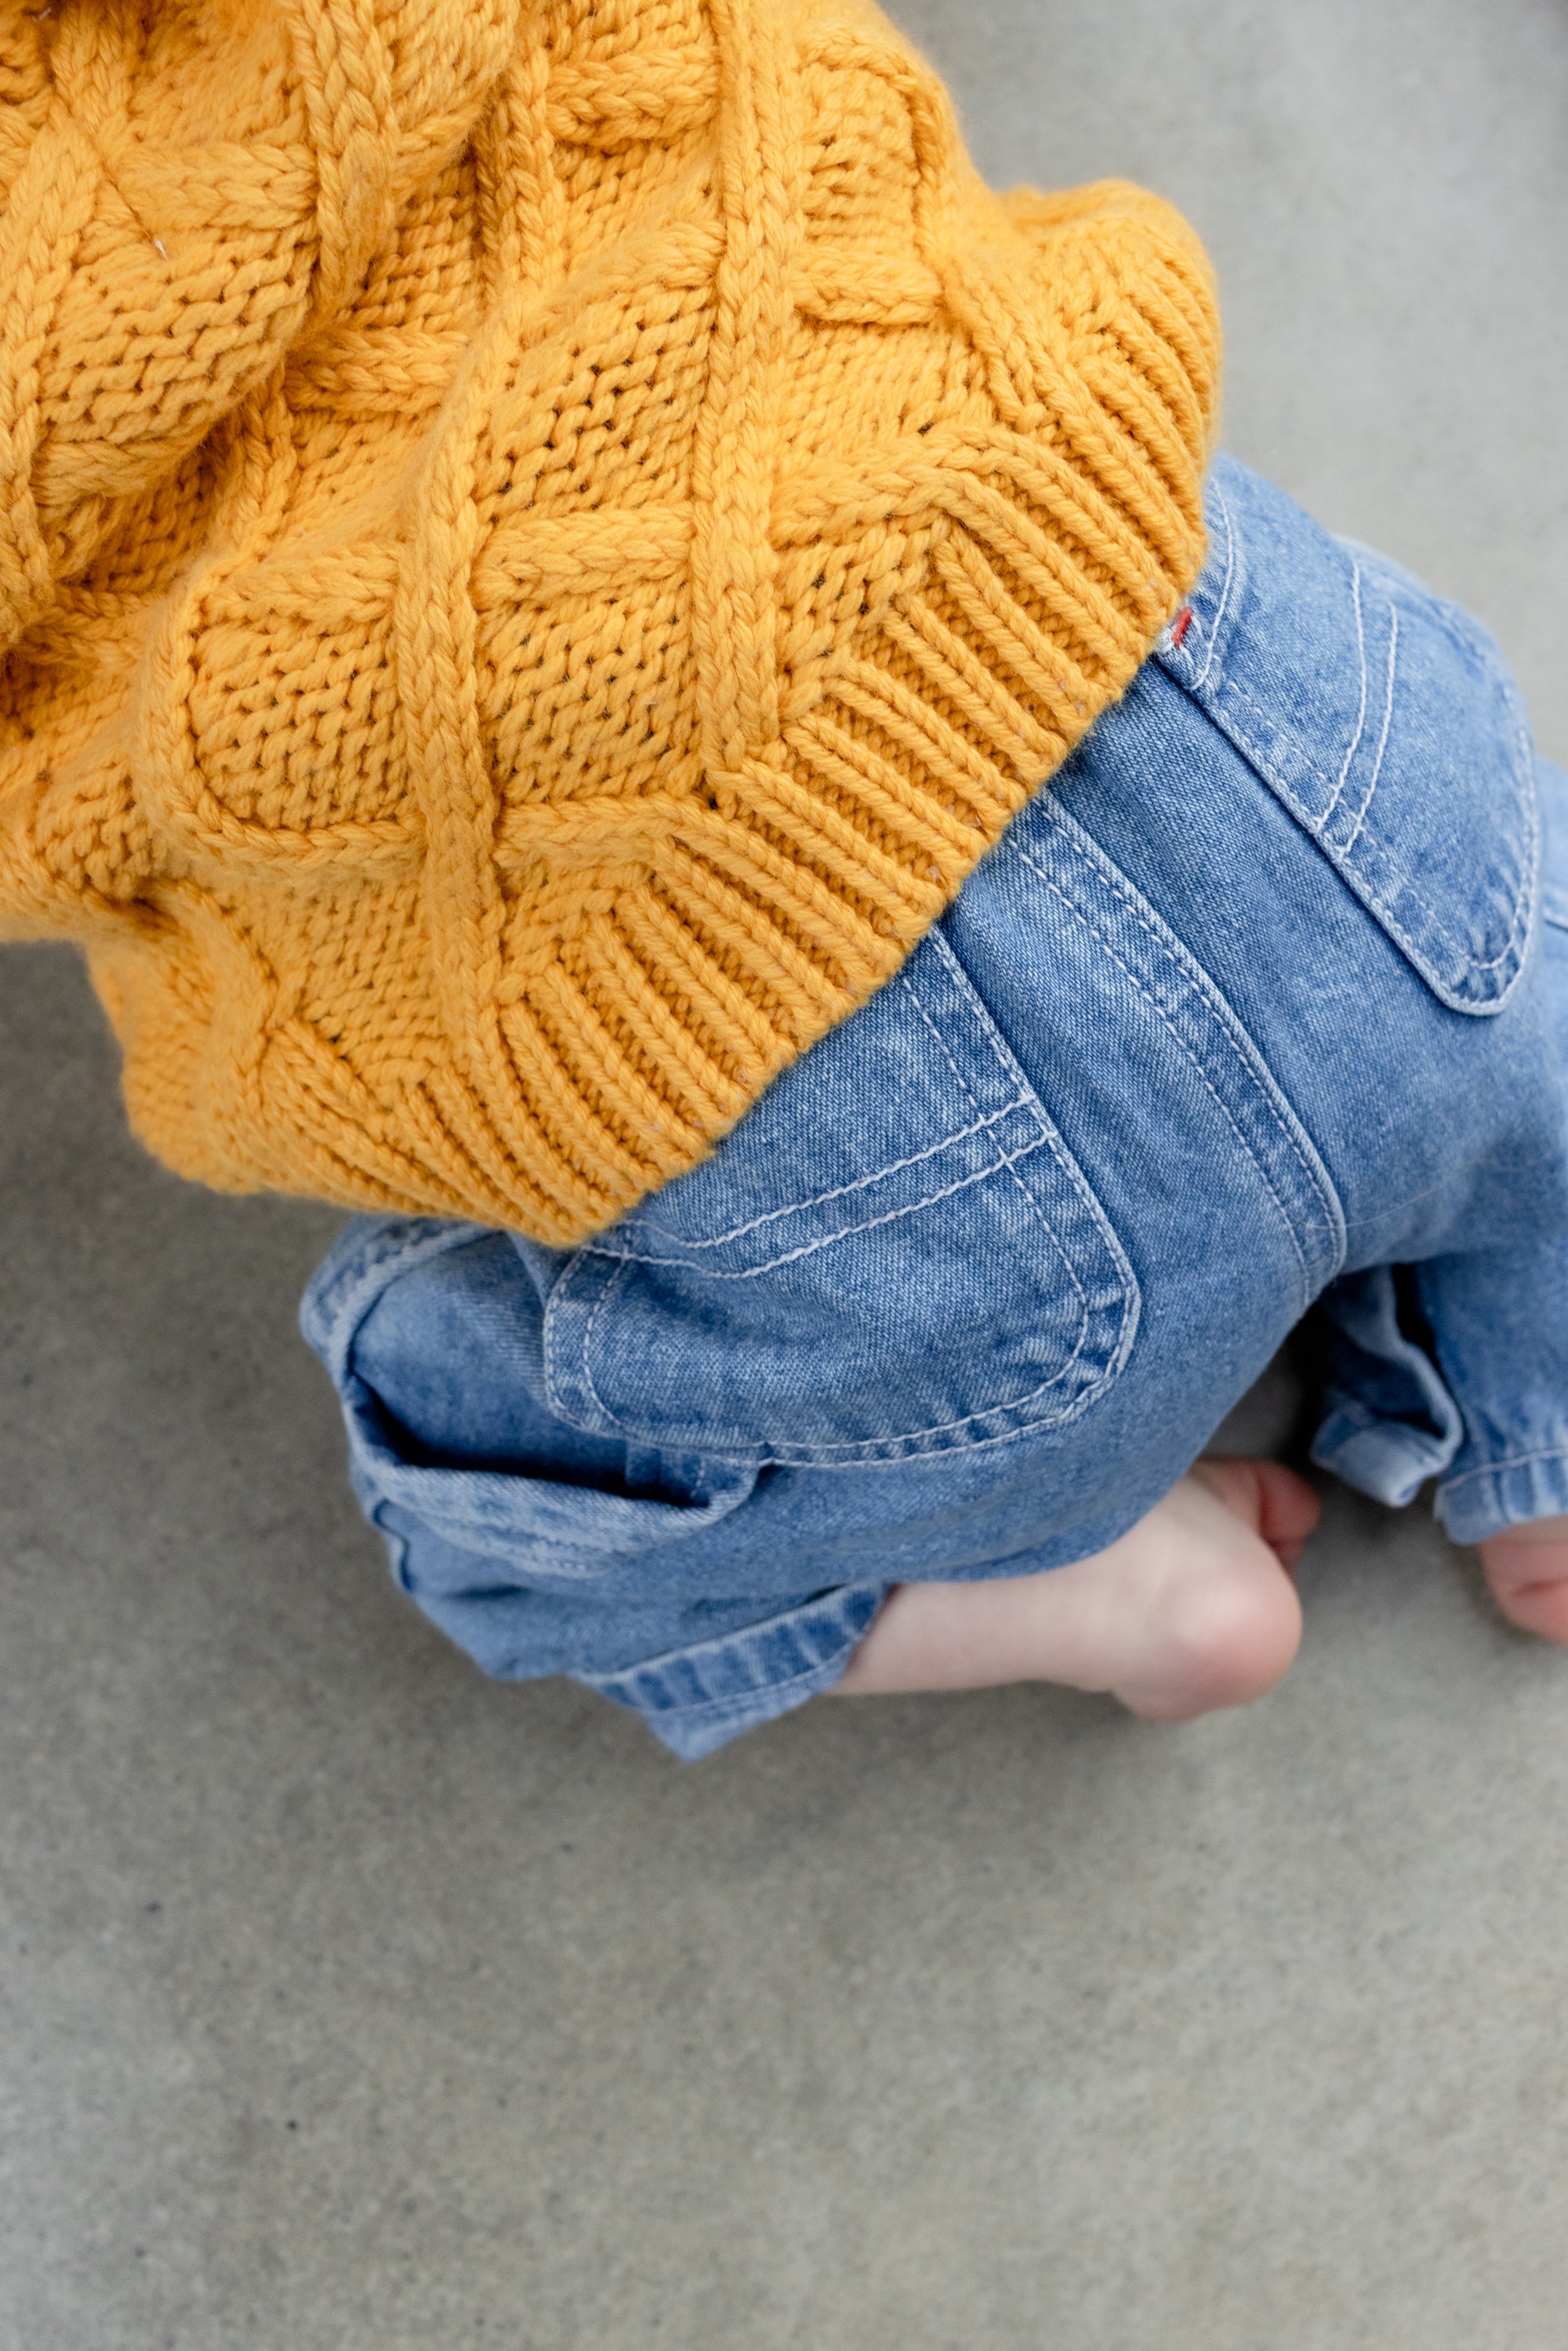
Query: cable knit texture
541, 543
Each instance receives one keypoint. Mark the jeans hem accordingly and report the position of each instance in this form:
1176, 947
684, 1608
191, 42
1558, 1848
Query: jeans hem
1506, 1493
1387, 1460
694, 1700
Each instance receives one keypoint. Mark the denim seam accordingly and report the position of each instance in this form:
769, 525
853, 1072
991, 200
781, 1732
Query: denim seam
735, 1701
1197, 983
841, 1232
1075, 1177
809, 1456
1220, 609
1361, 714
1030, 1203
864, 1449
1359, 826
1197, 680
1520, 917
1508, 1461
817, 1200
1328, 1206
1183, 1045
837, 1601
614, 1282
858, 1447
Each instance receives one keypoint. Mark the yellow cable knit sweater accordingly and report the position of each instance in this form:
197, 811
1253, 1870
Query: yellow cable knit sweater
541, 540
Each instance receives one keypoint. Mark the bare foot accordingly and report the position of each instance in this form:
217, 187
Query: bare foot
1191, 1609
1527, 1568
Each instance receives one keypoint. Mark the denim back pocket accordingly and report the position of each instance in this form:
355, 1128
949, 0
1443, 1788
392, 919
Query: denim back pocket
893, 1254
1384, 721
554, 1529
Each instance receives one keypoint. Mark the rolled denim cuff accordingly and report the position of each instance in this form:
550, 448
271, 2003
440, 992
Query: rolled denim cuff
698, 1699
1506, 1493
1391, 1423
1387, 1460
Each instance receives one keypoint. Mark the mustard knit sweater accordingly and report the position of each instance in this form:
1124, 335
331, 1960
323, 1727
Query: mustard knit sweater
541, 540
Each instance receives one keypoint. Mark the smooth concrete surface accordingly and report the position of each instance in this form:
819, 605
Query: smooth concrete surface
350, 2003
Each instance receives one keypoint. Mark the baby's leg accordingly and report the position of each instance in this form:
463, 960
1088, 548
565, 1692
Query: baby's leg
1527, 1568
1191, 1609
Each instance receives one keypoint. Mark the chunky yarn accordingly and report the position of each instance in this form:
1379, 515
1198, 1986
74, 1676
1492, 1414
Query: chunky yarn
541, 541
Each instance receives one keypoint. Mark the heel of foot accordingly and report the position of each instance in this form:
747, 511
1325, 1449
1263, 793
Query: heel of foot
1227, 1640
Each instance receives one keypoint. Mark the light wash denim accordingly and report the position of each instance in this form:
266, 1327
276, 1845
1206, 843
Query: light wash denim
1262, 1002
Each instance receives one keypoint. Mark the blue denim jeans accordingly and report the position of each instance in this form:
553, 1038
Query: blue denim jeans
1262, 1003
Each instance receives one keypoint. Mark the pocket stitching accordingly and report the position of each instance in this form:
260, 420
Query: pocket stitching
1520, 919
1232, 690
1025, 1194
1181, 666
1220, 609
1361, 714
1184, 1047
1507, 1461
1194, 982
628, 1258
864, 1449
816, 1200
1361, 825
608, 1292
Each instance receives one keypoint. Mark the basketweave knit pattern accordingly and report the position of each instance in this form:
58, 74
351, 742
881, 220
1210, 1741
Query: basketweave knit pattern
540, 544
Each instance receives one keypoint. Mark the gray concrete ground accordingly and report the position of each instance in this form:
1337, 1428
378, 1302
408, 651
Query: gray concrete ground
351, 2001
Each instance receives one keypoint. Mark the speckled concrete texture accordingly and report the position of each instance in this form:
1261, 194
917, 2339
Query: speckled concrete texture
350, 2003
